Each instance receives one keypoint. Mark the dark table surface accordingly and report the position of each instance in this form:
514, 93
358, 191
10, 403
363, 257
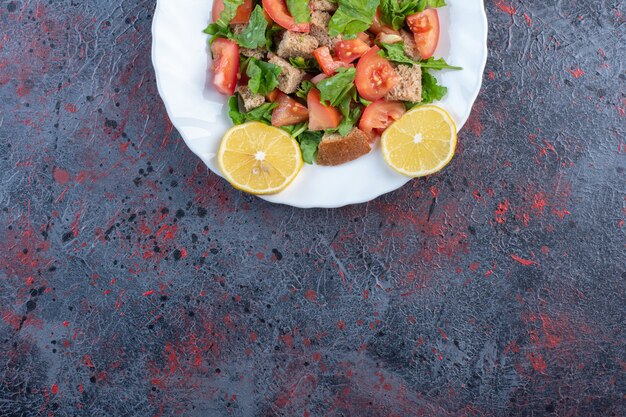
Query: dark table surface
133, 282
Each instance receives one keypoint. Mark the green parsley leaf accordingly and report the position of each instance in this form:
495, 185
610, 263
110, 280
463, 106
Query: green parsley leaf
431, 4
303, 63
304, 89
352, 17
348, 122
230, 10
270, 35
395, 52
218, 30
300, 11
335, 89
437, 64
309, 142
394, 12
295, 130
253, 35
263, 76
431, 90
233, 111
261, 114
364, 102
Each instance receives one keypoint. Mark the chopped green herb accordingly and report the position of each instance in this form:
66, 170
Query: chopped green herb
261, 114
304, 89
395, 52
303, 63
263, 76
300, 11
437, 64
394, 12
352, 17
335, 89
348, 122
309, 143
431, 90
253, 35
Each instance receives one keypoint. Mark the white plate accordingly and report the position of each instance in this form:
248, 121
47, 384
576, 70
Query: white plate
181, 57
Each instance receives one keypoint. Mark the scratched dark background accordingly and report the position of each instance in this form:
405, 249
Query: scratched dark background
133, 282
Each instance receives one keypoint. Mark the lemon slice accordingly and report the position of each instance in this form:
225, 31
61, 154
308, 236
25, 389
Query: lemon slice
259, 159
421, 142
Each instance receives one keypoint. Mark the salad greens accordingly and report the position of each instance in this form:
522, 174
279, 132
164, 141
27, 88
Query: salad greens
253, 35
261, 114
352, 17
263, 76
299, 9
394, 12
341, 90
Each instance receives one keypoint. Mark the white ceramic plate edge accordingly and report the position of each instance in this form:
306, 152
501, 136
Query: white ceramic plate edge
185, 125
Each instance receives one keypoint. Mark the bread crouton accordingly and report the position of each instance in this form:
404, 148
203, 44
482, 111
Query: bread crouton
319, 29
290, 77
410, 86
335, 149
249, 100
255, 53
323, 5
294, 44
410, 49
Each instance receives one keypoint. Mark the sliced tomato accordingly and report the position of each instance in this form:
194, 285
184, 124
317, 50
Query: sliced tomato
379, 115
328, 64
349, 50
378, 26
288, 112
277, 10
225, 65
321, 117
425, 28
243, 12
374, 75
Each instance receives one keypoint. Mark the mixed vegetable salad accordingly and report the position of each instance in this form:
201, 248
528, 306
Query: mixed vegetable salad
326, 69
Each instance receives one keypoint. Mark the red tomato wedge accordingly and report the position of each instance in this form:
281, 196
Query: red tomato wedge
243, 12
321, 117
326, 61
379, 115
425, 28
288, 112
277, 10
374, 75
225, 65
378, 26
349, 50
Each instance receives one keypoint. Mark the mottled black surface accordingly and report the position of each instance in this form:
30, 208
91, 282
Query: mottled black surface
135, 283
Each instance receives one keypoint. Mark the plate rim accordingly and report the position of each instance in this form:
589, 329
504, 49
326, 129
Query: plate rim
159, 77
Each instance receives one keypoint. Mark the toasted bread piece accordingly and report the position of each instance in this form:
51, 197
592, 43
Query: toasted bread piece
249, 100
335, 149
410, 49
293, 44
410, 86
319, 29
323, 5
257, 53
290, 77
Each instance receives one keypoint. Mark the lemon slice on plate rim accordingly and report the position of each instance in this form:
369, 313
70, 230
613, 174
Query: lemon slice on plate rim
421, 142
259, 159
